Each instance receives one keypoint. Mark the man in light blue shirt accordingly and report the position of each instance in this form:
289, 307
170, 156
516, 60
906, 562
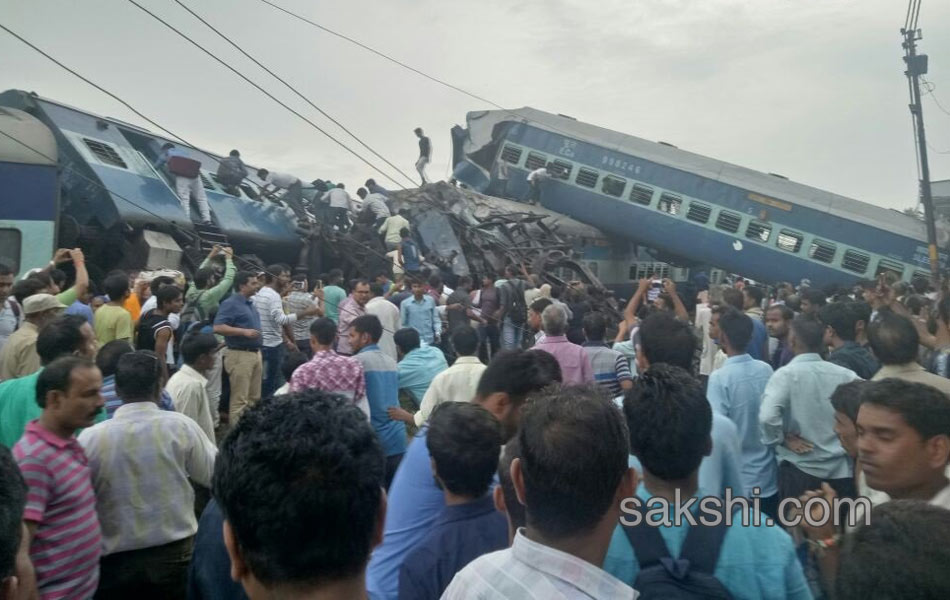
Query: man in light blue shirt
755, 561
419, 313
735, 391
418, 363
797, 418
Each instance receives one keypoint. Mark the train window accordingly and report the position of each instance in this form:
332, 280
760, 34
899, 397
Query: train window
728, 221
641, 194
670, 203
105, 153
889, 266
561, 169
11, 241
759, 231
249, 191
586, 177
822, 251
206, 183
535, 161
594, 268
613, 186
698, 212
510, 154
788, 240
855, 261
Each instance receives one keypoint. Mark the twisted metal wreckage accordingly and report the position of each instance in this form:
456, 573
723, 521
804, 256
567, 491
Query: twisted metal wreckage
463, 233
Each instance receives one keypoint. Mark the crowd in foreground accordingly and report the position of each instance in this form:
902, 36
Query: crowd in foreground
246, 435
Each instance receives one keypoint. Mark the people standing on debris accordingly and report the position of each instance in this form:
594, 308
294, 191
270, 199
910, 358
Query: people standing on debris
375, 204
425, 155
375, 188
501, 175
392, 227
419, 312
186, 173
353, 307
535, 180
340, 205
231, 172
408, 256
284, 181
240, 324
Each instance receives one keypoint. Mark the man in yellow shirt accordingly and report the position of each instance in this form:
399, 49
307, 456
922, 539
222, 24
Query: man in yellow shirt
113, 321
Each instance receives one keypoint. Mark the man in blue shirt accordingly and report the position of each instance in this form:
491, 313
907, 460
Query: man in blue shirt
408, 254
754, 561
464, 441
382, 385
419, 313
418, 363
748, 301
735, 391
415, 500
240, 323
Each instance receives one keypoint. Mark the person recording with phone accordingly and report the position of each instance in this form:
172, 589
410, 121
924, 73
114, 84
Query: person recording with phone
299, 300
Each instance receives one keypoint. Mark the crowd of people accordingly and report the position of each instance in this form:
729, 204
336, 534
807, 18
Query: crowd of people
247, 435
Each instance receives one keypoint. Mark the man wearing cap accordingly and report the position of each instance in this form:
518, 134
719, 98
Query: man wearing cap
19, 357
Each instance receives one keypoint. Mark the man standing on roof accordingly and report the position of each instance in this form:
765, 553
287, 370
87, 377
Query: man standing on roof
186, 174
284, 181
231, 172
425, 155
534, 180
340, 205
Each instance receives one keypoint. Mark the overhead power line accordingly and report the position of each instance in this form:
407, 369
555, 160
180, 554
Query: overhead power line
293, 89
265, 92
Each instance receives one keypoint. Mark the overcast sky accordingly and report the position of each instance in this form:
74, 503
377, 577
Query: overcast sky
811, 89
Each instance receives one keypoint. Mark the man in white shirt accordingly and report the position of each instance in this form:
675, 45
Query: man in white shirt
340, 206
10, 311
284, 181
376, 204
534, 180
571, 477
389, 317
188, 387
391, 227
275, 324
455, 384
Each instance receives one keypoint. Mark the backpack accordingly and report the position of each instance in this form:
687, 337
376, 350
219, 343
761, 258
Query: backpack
517, 309
231, 171
690, 577
183, 166
190, 315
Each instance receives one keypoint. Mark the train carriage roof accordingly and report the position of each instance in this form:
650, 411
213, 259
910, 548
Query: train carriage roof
741, 177
36, 145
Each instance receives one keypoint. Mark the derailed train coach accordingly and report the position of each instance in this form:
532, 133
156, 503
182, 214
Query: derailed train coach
692, 210
69, 178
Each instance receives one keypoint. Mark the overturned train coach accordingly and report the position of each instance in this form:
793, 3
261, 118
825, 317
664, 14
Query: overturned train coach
692, 210
69, 178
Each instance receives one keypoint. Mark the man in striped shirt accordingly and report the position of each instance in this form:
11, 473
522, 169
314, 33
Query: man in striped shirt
611, 368
64, 536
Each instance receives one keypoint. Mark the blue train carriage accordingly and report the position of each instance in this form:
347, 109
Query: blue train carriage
124, 213
695, 209
29, 191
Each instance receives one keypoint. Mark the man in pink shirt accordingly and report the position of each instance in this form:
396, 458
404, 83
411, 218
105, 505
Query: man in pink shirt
575, 364
63, 528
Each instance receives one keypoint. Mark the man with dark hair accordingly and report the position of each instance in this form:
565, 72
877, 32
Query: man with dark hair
61, 504
840, 320
18, 357
534, 318
301, 299
901, 553
353, 307
455, 384
418, 364
293, 197
512, 311
754, 560
300, 485
382, 389
113, 321
333, 295
574, 360
67, 335
572, 476
17, 578
146, 542
862, 314
408, 257
391, 229
329, 371
231, 172
778, 320
895, 341
185, 174
415, 500
240, 323
188, 387
506, 499
389, 318
670, 341
419, 312
811, 301
611, 368
735, 391
464, 441
292, 361
750, 304
10, 310
797, 418
425, 154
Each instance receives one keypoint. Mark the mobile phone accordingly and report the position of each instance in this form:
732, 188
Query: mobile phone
299, 285
658, 283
